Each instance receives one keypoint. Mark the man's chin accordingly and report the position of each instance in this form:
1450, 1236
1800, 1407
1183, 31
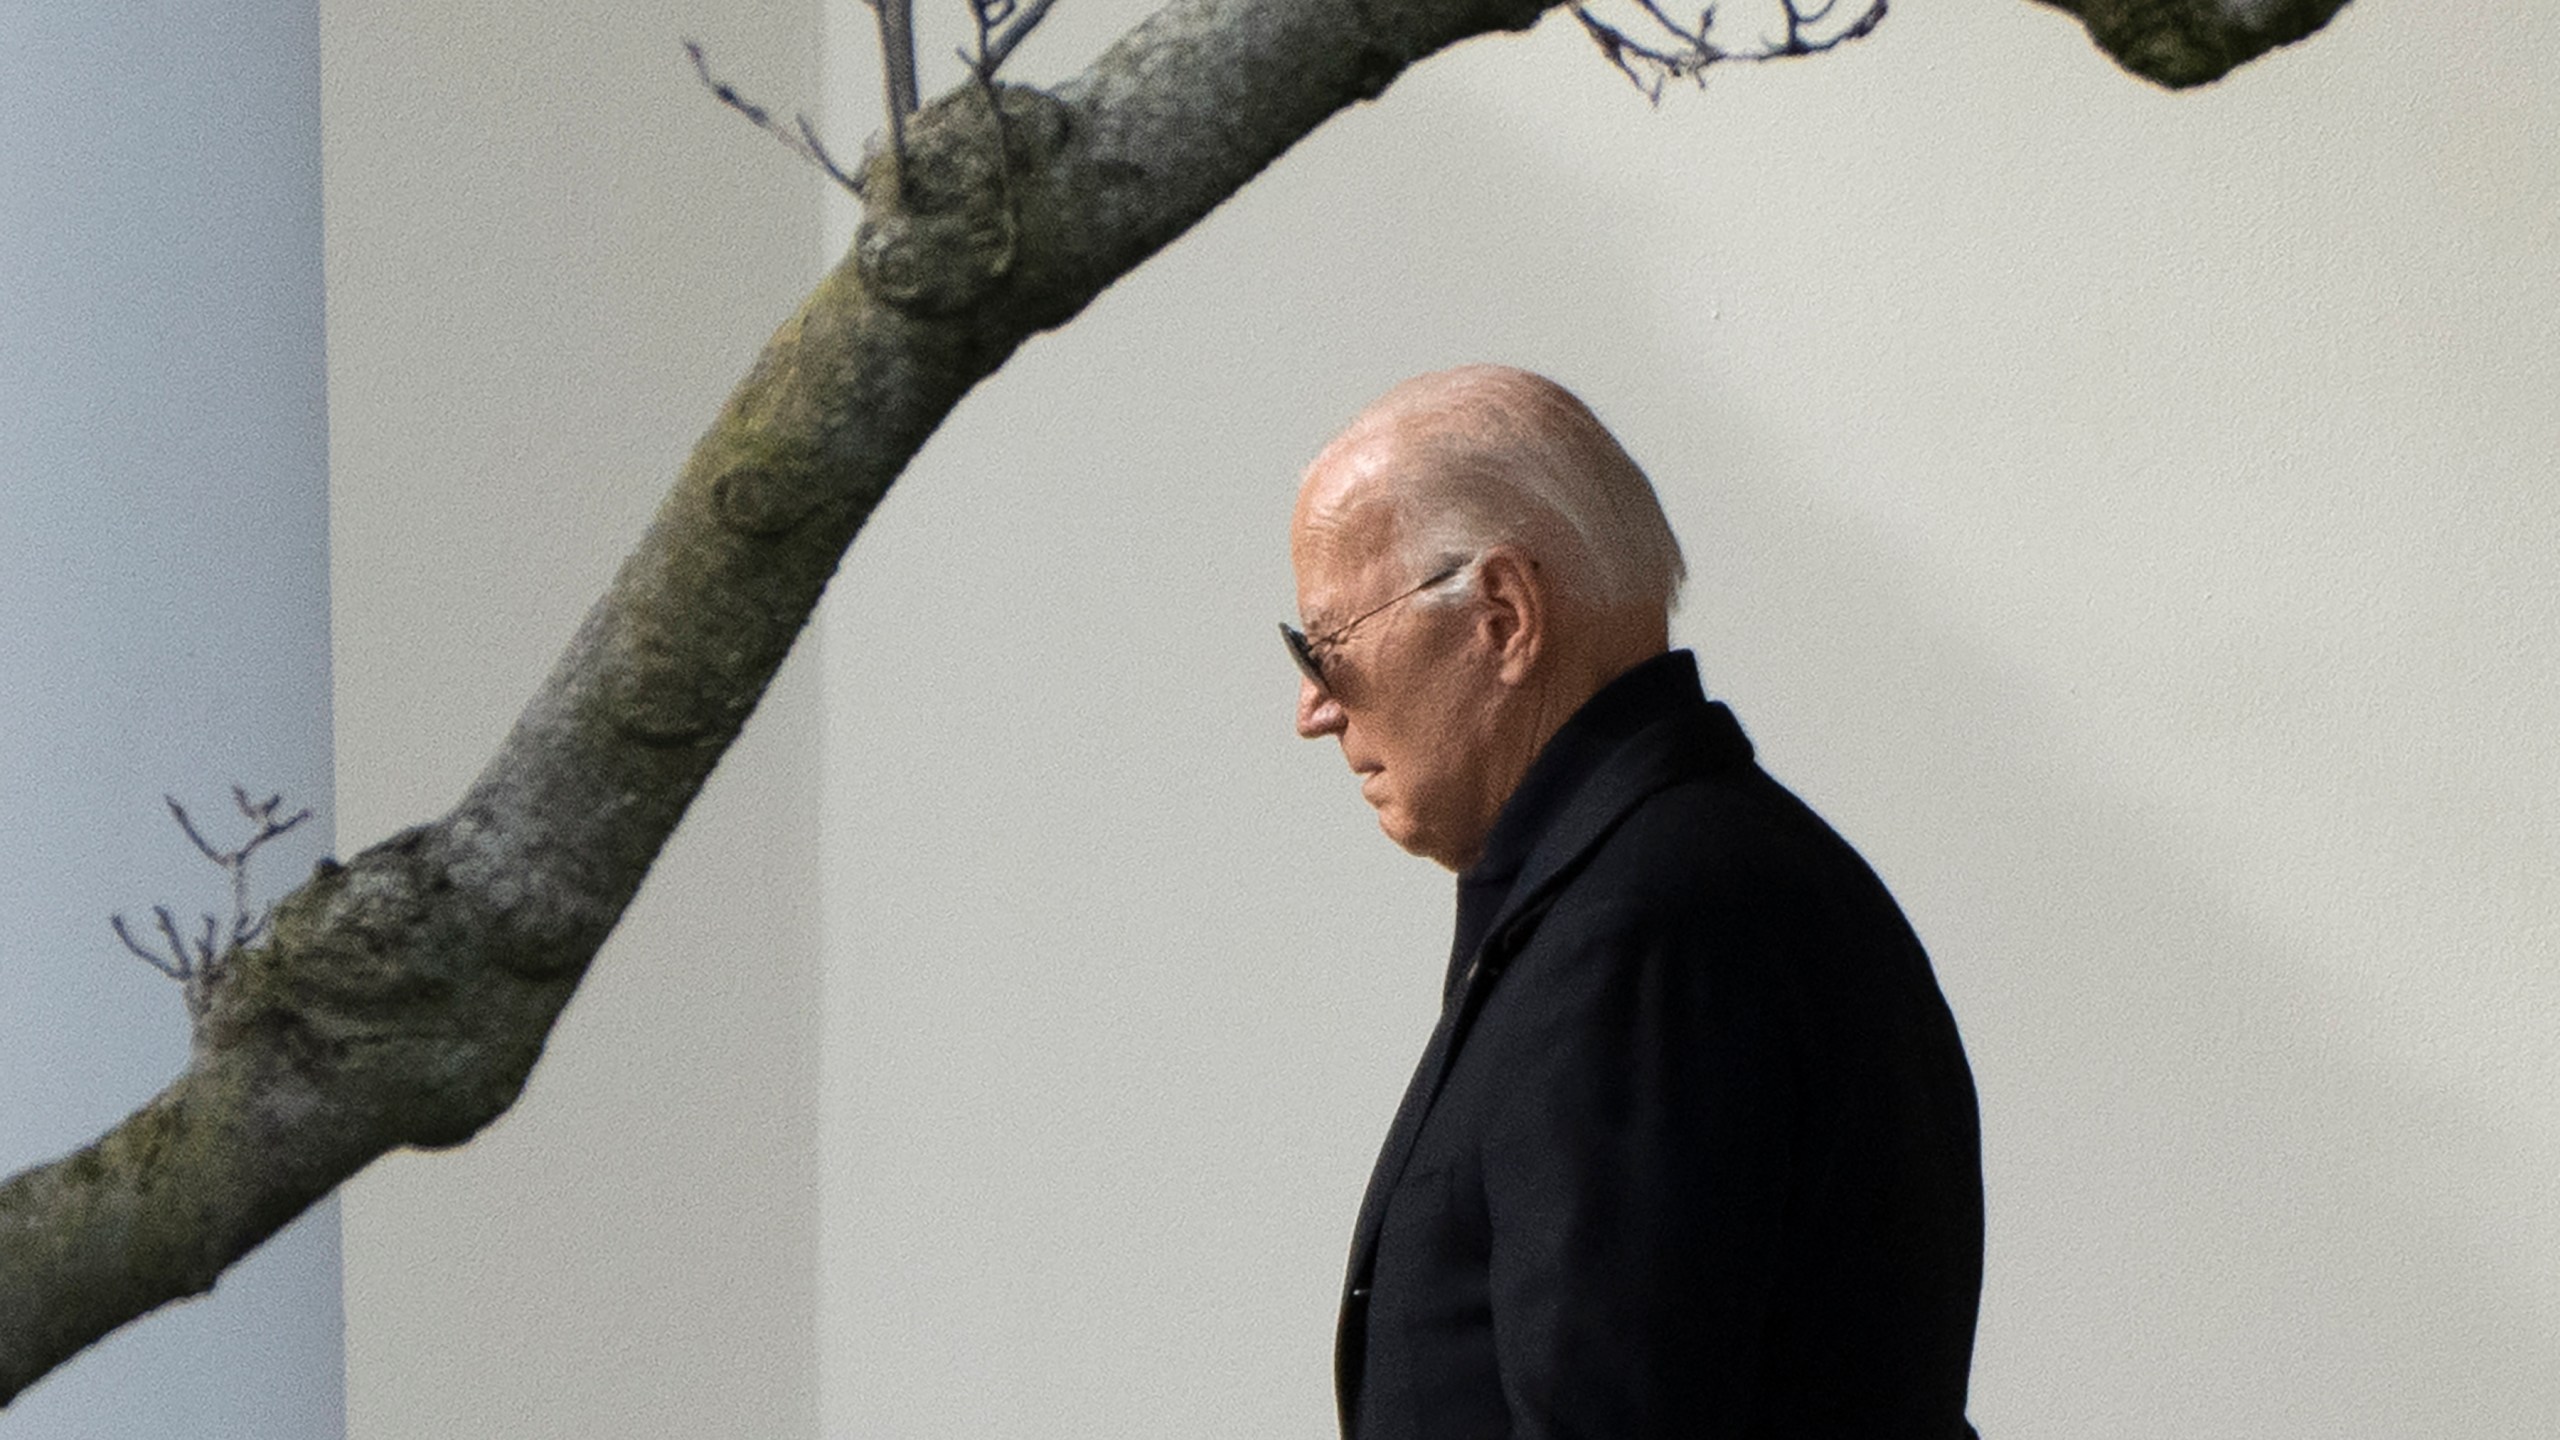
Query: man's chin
1396, 824
1413, 840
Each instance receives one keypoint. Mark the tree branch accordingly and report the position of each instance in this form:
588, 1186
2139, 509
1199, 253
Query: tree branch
1021, 26
898, 55
2179, 43
175, 970
897, 68
402, 998
800, 139
196, 964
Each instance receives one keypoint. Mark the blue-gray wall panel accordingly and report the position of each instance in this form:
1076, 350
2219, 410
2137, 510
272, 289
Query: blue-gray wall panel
163, 613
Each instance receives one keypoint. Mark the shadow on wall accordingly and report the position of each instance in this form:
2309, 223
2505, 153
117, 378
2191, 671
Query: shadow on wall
2214, 1210
2210, 1213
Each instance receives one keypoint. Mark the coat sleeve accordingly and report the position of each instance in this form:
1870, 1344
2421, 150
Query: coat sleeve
1636, 1180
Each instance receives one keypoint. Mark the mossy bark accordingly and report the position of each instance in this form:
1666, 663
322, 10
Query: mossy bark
2180, 43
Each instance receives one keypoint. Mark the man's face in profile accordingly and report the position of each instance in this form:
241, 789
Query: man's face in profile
1403, 692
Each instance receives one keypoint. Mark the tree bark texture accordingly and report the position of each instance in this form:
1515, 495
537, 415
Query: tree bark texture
403, 997
2179, 43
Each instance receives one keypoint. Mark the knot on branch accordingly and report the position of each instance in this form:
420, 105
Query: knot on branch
942, 227
401, 994
763, 487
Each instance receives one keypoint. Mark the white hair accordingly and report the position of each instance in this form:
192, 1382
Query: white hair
1496, 455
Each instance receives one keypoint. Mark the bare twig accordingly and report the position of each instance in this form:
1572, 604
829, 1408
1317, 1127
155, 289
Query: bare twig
988, 15
982, 68
1645, 68
898, 72
1023, 24
177, 942
1799, 43
245, 925
1693, 50
1001, 26
801, 138
898, 56
177, 971
195, 961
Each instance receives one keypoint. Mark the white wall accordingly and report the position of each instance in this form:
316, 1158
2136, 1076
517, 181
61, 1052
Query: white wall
2127, 516
550, 254
164, 623
2123, 514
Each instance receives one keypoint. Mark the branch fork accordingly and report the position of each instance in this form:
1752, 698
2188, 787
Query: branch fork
1689, 51
198, 961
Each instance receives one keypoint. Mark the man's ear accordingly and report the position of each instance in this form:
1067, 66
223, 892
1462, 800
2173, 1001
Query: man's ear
1516, 610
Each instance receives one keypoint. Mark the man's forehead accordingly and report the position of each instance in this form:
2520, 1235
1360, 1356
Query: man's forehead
1356, 464
1348, 532
1335, 546
1349, 491
1344, 525
1331, 579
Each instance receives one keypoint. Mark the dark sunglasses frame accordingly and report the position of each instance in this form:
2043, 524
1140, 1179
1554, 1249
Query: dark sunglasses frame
1303, 650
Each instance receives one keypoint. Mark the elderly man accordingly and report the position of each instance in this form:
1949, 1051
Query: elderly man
1693, 1150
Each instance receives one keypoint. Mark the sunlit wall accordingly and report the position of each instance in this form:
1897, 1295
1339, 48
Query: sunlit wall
2129, 517
2126, 515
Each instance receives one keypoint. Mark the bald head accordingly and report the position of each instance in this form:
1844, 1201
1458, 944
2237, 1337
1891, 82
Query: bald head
1457, 461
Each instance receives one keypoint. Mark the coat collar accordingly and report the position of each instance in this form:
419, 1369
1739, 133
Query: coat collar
1650, 728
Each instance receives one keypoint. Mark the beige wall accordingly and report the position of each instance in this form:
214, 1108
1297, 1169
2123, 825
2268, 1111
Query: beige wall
2127, 516
549, 254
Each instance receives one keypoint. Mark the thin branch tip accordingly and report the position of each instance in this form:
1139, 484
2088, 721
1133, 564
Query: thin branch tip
196, 961
1022, 25
801, 139
1689, 52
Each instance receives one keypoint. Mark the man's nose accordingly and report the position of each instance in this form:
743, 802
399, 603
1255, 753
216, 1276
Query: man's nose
1319, 713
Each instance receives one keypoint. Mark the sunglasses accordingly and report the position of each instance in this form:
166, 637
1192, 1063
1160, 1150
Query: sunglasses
1305, 651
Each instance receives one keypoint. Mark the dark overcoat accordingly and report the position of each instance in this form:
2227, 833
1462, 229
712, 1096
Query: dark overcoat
1693, 1151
